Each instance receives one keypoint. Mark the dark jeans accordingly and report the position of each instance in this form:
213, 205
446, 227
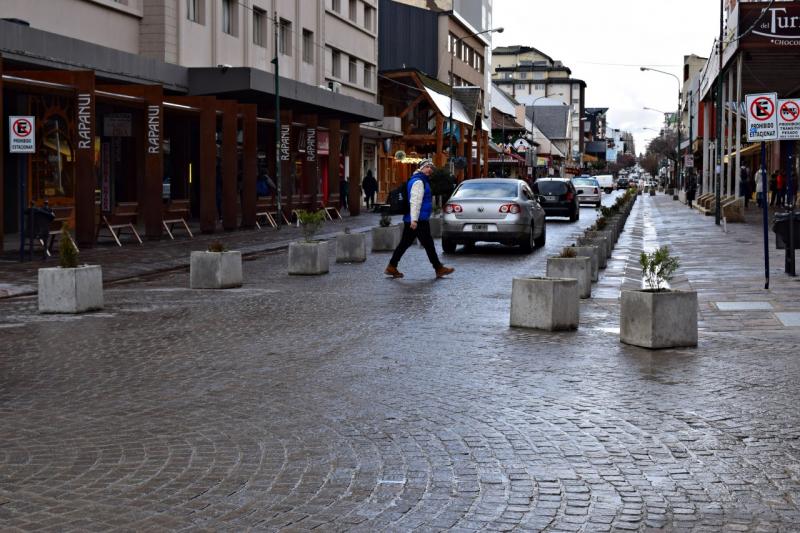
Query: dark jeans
423, 233
370, 199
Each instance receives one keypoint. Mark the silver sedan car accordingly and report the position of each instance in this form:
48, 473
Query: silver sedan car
589, 191
493, 210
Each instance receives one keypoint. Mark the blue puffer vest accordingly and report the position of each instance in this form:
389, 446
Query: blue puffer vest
427, 198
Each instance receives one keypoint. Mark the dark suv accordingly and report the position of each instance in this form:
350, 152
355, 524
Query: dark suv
622, 183
558, 198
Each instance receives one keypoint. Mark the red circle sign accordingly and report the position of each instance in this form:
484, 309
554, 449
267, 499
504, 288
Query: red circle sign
790, 111
762, 109
22, 127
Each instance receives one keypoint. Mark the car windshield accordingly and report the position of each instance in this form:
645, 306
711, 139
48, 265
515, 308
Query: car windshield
585, 181
551, 187
486, 189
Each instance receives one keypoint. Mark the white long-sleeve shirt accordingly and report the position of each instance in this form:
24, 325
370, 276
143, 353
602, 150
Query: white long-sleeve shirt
415, 199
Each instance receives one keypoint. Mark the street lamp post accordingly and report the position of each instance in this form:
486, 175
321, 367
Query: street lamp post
677, 126
450, 120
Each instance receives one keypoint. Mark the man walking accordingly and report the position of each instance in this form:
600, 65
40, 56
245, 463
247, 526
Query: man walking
416, 224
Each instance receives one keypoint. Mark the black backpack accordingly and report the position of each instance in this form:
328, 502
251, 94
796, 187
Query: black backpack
399, 203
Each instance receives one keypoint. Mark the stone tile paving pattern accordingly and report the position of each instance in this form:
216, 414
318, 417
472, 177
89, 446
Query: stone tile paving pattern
353, 402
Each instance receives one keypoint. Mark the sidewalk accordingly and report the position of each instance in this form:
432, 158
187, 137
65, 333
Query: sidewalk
726, 269
134, 260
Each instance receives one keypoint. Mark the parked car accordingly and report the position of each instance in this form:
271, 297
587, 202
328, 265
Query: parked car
606, 182
588, 190
558, 197
500, 210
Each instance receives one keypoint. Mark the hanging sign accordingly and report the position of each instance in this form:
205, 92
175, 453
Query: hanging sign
789, 119
762, 117
21, 135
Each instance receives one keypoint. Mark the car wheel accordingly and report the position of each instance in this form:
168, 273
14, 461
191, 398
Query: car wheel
449, 246
527, 243
541, 239
574, 216
598, 204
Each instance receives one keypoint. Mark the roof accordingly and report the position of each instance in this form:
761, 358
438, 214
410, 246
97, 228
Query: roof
518, 49
501, 120
552, 121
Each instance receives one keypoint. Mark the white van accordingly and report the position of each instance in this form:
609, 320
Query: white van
606, 182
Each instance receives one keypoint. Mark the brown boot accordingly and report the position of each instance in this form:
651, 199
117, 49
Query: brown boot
442, 271
392, 271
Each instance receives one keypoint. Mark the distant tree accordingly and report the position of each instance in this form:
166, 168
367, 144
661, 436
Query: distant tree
626, 160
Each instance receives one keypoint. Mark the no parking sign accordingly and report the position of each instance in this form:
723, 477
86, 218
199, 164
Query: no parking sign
762, 118
21, 135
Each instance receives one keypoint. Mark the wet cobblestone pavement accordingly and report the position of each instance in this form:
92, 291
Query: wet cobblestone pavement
354, 402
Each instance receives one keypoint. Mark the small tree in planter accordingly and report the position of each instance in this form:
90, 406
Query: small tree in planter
657, 316
70, 288
386, 237
309, 257
569, 265
215, 268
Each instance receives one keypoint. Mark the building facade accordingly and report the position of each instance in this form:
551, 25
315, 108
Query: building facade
154, 103
528, 74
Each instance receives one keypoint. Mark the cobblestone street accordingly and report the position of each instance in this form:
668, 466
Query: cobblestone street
354, 402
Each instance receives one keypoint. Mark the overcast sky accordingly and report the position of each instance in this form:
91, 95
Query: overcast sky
594, 38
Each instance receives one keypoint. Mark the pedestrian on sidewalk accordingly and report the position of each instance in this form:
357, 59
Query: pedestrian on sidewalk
744, 186
691, 189
416, 224
773, 188
370, 186
781, 184
344, 191
760, 200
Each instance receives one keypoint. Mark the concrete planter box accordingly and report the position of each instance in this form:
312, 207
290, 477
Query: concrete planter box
215, 270
351, 248
658, 319
593, 253
386, 239
652, 192
602, 235
545, 303
308, 258
436, 227
602, 245
578, 268
70, 290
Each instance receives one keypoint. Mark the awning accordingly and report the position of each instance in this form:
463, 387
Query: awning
443, 102
746, 150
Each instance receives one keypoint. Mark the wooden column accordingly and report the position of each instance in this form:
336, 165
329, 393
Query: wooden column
249, 163
334, 147
439, 157
485, 172
476, 172
3, 127
469, 171
310, 178
287, 160
229, 164
354, 146
460, 150
85, 178
208, 163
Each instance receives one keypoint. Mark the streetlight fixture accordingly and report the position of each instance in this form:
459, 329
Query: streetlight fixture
677, 126
450, 120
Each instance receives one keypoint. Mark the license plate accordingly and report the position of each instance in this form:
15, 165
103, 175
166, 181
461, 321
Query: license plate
550, 198
480, 227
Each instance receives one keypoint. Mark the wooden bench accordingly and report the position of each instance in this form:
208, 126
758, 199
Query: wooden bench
121, 217
176, 212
